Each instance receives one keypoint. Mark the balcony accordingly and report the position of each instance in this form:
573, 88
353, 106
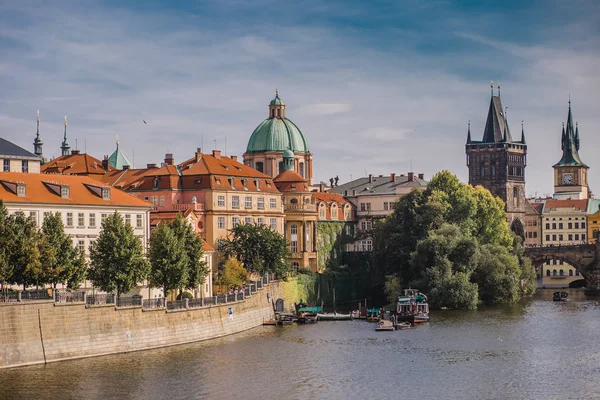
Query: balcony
300, 207
180, 207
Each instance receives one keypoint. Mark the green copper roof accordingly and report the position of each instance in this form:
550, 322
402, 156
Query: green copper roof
277, 134
569, 143
276, 101
118, 159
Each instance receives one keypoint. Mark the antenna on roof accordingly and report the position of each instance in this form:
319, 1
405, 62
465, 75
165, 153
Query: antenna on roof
76, 144
85, 145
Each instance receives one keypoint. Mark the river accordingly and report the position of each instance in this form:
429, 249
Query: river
538, 349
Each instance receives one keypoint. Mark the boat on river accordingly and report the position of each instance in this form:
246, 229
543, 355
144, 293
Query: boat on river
560, 296
308, 315
412, 307
334, 316
385, 325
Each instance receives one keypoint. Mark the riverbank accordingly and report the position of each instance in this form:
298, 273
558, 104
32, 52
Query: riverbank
43, 332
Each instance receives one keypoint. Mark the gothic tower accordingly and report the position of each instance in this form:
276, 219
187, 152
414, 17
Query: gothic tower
570, 173
497, 162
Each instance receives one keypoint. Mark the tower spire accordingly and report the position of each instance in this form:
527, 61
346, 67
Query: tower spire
522, 133
37, 142
65, 143
469, 133
570, 143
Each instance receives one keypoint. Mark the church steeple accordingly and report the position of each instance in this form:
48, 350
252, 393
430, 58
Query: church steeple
570, 144
276, 107
37, 142
65, 143
522, 134
496, 127
469, 133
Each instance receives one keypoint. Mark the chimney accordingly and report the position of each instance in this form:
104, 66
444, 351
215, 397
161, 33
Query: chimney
411, 175
198, 154
125, 167
321, 187
150, 166
234, 158
169, 160
216, 153
345, 193
105, 163
392, 177
74, 152
370, 178
421, 176
353, 192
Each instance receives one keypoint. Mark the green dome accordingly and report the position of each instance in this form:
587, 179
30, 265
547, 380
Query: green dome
276, 101
277, 134
288, 154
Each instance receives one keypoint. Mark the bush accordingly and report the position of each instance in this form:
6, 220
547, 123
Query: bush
184, 295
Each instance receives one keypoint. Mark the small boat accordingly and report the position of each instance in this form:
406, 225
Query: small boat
412, 307
333, 317
560, 296
403, 325
308, 315
373, 314
385, 325
286, 319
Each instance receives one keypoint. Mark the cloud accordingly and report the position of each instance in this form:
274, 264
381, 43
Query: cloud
356, 84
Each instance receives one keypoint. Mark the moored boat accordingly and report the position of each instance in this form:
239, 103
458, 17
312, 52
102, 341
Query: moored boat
385, 325
307, 315
333, 317
403, 325
412, 307
560, 296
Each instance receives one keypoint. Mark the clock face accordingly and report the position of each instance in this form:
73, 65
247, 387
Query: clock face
568, 179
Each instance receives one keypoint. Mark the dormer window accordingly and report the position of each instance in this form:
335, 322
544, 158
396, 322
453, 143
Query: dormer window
231, 182
64, 192
21, 190
156, 182
105, 193
257, 184
245, 183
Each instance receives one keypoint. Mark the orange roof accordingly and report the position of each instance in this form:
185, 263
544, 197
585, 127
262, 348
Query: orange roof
580, 205
291, 181
330, 197
75, 164
206, 246
45, 189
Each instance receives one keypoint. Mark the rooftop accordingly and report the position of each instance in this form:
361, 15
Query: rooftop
11, 150
380, 185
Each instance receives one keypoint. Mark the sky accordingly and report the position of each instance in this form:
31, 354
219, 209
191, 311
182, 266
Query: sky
375, 86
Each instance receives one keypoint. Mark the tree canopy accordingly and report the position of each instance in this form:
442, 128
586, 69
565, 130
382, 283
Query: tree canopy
452, 240
233, 275
117, 257
259, 248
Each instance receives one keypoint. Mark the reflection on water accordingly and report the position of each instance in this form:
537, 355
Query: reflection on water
539, 349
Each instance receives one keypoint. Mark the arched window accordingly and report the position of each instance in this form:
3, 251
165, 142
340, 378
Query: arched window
294, 201
322, 210
561, 273
301, 170
516, 196
278, 113
156, 182
260, 167
553, 272
547, 272
570, 272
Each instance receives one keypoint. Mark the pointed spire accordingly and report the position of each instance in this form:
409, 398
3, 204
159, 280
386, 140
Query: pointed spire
37, 142
65, 143
522, 133
570, 143
577, 136
469, 133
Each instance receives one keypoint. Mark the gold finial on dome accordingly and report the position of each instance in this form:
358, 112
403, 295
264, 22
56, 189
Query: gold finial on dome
38, 115
117, 140
66, 120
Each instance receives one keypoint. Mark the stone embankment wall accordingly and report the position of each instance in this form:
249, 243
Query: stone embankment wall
35, 333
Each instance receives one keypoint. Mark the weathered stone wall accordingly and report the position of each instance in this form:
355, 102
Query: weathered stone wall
34, 333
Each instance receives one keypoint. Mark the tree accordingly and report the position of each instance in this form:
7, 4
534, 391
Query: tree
168, 260
78, 270
194, 252
117, 257
233, 275
57, 251
259, 248
6, 243
24, 251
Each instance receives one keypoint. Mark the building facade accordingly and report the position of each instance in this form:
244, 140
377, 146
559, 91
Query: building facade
533, 223
271, 138
17, 159
498, 162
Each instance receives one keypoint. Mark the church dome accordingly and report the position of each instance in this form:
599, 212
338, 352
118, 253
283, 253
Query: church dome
277, 133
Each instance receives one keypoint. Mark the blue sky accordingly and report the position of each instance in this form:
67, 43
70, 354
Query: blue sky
375, 86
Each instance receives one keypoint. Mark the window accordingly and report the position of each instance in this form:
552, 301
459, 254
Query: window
560, 237
128, 219
570, 272
493, 170
294, 244
248, 220
273, 223
81, 246
21, 190
6, 166
273, 203
576, 225
221, 244
69, 219
583, 236
24, 166
369, 225
561, 272
64, 192
547, 238
583, 225
92, 220
570, 236
553, 272
576, 236
102, 218
294, 229
535, 235
301, 170
138, 221
547, 226
154, 201
547, 272
554, 225
261, 221
221, 222
32, 215
554, 238
260, 203
386, 206
106, 194
260, 167
560, 225
81, 220
235, 201
248, 202
295, 267
322, 211
570, 225
162, 201
363, 225
236, 221
368, 246
221, 200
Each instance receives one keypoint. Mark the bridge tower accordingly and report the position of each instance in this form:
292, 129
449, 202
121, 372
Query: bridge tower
498, 162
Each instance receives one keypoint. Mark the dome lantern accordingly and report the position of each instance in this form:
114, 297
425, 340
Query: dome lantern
276, 107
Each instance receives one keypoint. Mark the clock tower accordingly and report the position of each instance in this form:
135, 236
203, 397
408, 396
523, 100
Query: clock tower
570, 173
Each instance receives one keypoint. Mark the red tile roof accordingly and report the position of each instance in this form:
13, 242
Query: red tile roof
75, 164
577, 204
40, 189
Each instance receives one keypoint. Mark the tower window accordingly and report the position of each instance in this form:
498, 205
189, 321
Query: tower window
301, 170
260, 167
493, 170
482, 171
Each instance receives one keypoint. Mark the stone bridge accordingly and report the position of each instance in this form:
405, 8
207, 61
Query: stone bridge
584, 258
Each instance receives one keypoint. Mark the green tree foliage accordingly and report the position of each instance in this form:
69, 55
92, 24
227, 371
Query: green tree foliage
452, 240
259, 248
57, 252
196, 268
24, 252
168, 260
117, 257
6, 243
78, 270
233, 275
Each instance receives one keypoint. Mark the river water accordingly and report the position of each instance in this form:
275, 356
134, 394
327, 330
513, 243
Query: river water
535, 350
